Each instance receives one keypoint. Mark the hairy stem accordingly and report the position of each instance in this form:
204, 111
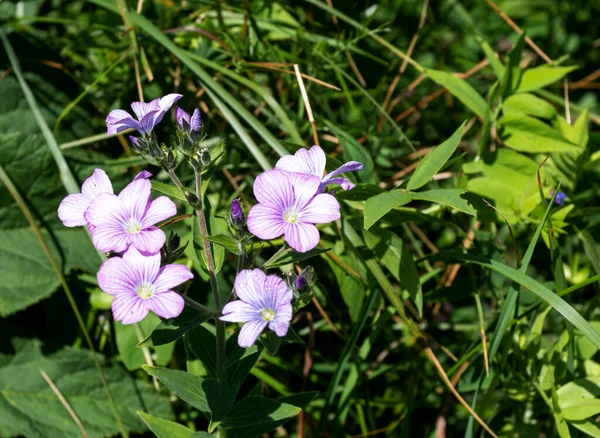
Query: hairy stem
220, 325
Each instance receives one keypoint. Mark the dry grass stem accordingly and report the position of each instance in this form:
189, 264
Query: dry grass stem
309, 113
65, 403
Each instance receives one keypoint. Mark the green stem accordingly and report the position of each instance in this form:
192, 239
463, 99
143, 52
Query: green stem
32, 223
196, 305
220, 325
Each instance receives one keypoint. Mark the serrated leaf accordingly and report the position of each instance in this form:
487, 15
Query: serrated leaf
29, 407
435, 160
460, 89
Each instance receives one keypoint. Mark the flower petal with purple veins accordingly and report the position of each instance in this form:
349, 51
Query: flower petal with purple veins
116, 277
309, 162
162, 208
97, 183
72, 209
350, 166
129, 309
342, 182
149, 241
181, 116
196, 121
135, 198
166, 304
238, 311
274, 188
305, 188
322, 209
250, 333
144, 174
170, 276
249, 286
301, 236
265, 221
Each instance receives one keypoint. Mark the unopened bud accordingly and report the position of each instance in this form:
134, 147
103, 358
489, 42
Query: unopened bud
301, 283
237, 214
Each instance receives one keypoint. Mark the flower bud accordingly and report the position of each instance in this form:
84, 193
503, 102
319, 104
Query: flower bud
237, 214
301, 283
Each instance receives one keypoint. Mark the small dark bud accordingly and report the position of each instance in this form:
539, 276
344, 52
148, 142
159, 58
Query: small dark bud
170, 159
204, 157
305, 278
237, 214
174, 242
301, 283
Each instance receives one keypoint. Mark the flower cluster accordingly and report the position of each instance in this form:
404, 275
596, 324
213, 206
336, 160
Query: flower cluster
292, 200
125, 224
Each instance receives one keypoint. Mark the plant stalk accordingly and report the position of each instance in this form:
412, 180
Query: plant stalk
220, 325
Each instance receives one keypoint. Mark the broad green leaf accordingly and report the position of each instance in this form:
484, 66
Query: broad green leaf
29, 407
288, 256
578, 410
239, 361
435, 160
169, 190
164, 428
512, 71
202, 342
209, 396
256, 410
527, 134
298, 400
128, 336
354, 151
576, 133
450, 197
460, 89
352, 289
169, 330
377, 206
538, 77
528, 104
226, 241
27, 275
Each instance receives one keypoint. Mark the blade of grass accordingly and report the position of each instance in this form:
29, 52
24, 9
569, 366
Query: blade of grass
66, 175
55, 266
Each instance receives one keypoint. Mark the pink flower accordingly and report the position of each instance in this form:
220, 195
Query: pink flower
290, 205
140, 284
148, 115
312, 162
129, 219
264, 300
71, 209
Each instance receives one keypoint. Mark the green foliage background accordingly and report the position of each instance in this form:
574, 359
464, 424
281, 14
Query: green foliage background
391, 295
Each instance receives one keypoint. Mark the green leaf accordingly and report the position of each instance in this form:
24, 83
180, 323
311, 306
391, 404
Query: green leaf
377, 206
203, 344
460, 89
27, 275
528, 104
288, 256
128, 336
492, 58
578, 410
29, 407
209, 396
578, 132
256, 410
239, 361
450, 197
560, 305
168, 189
226, 241
435, 160
164, 428
538, 77
169, 330
512, 71
352, 289
527, 134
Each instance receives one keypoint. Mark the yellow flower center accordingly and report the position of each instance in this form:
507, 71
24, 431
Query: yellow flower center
267, 314
290, 216
133, 227
145, 291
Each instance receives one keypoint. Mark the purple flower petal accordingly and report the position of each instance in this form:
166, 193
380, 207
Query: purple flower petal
135, 197
104, 209
180, 116
72, 208
281, 323
144, 174
148, 122
129, 308
249, 286
309, 162
265, 221
239, 311
117, 277
350, 166
160, 209
196, 121
119, 120
142, 269
305, 187
165, 103
142, 108
149, 240
250, 332
301, 236
109, 237
342, 182
273, 187
166, 304
322, 209
279, 290
170, 276
97, 184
